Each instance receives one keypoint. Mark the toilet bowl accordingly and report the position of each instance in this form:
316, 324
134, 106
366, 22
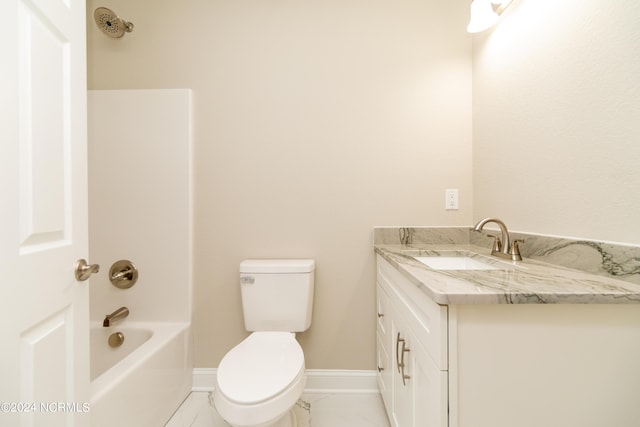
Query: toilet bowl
259, 381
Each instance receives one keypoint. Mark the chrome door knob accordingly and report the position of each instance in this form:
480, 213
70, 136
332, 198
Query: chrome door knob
83, 270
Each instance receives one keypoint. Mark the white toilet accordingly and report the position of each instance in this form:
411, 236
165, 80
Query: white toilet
259, 380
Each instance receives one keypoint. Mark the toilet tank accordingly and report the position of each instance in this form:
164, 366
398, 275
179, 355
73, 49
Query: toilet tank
277, 295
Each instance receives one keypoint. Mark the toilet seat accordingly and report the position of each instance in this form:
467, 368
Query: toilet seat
262, 366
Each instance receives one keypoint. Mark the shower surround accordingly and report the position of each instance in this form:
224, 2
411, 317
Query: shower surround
140, 210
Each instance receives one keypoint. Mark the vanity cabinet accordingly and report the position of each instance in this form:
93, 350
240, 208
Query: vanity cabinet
504, 365
411, 353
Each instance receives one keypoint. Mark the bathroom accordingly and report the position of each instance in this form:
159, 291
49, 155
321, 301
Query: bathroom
313, 122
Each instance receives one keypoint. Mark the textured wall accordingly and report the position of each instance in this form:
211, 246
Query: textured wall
556, 103
313, 121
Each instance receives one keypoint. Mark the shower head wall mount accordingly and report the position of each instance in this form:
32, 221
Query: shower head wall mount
110, 23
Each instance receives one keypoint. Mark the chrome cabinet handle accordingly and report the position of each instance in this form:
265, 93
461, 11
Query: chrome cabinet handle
405, 377
83, 270
398, 341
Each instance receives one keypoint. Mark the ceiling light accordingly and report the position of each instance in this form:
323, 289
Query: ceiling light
485, 13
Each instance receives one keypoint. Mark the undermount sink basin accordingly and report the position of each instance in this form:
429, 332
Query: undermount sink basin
454, 263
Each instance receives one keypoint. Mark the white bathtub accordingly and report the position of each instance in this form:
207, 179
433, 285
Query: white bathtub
142, 382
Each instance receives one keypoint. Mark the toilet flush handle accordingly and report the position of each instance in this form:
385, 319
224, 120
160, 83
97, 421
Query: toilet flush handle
247, 280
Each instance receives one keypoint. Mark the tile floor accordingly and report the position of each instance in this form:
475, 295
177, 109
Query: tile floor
312, 410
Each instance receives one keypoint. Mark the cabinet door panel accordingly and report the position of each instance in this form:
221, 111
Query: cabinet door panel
430, 391
385, 372
410, 346
429, 319
383, 346
383, 313
402, 412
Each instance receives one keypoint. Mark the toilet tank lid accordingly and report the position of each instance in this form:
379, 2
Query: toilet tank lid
277, 266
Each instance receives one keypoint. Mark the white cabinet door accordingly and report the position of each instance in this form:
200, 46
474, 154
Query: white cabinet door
418, 391
430, 387
402, 413
383, 346
43, 220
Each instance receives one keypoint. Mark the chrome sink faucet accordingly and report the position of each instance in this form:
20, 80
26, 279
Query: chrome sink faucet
119, 314
502, 246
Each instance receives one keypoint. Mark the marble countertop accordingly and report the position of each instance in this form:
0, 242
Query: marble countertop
523, 282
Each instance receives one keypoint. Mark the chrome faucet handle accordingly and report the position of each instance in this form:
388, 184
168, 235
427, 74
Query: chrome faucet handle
497, 243
514, 251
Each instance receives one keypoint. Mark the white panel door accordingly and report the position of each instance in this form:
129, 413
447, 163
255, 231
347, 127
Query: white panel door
44, 363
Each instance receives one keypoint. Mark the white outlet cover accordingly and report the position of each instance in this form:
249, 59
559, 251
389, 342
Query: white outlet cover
451, 201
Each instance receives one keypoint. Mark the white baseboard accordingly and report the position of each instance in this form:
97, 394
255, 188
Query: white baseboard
204, 379
318, 381
341, 381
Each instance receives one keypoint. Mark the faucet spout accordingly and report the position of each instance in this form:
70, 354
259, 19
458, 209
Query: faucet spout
119, 314
503, 230
507, 250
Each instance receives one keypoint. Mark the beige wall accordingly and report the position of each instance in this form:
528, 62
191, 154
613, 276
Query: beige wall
556, 119
313, 121
134, 211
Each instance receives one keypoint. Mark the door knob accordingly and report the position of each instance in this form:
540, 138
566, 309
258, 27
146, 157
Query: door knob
84, 270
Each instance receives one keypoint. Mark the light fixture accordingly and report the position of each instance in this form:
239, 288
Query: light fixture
485, 13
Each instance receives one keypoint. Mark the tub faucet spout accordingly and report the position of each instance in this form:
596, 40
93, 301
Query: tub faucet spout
119, 314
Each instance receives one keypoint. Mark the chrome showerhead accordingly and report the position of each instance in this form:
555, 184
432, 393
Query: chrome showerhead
110, 23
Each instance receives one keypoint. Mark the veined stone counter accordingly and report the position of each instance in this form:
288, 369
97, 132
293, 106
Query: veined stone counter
611, 273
